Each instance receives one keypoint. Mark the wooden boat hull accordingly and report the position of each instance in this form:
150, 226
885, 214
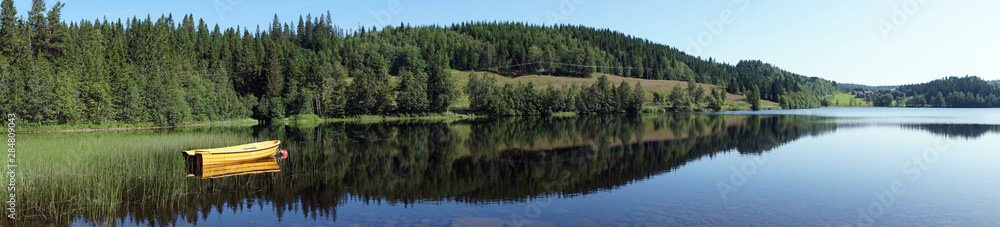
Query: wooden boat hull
239, 153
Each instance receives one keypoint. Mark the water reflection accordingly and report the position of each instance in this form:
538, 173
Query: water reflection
507, 159
480, 161
220, 170
967, 131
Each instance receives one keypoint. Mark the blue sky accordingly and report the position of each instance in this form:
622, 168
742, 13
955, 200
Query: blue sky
851, 41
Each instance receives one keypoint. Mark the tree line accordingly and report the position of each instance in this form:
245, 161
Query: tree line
961, 92
165, 71
487, 96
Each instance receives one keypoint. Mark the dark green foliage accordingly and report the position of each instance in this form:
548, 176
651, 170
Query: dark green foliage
525, 99
624, 95
636, 100
916, 101
412, 96
715, 100
658, 98
680, 99
696, 92
370, 90
754, 98
10, 31
554, 100
899, 101
481, 89
969, 91
514, 43
441, 90
603, 94
937, 100
883, 100
168, 71
333, 90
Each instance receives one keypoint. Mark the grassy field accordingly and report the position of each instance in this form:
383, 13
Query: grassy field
543, 81
845, 100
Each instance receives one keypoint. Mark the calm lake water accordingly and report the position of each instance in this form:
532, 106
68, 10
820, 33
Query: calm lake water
841, 166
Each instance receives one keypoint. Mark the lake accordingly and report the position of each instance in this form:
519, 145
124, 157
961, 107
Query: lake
838, 166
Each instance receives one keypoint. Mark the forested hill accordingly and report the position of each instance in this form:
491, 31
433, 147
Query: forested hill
502, 44
968, 91
168, 71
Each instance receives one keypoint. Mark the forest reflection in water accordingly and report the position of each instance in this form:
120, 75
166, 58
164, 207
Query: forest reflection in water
481, 161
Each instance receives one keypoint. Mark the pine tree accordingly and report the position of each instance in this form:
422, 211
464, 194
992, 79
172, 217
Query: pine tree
333, 94
370, 89
625, 96
441, 89
553, 100
604, 96
12, 43
37, 24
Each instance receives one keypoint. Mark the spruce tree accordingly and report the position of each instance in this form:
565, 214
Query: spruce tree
412, 97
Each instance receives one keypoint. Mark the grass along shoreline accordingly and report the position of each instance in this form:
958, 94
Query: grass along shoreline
72, 128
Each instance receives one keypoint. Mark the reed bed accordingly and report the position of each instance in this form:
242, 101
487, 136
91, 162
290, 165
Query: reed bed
63, 177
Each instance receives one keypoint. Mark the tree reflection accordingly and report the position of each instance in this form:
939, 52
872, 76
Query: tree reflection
476, 161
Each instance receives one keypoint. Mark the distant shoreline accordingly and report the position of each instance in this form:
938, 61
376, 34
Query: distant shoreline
294, 119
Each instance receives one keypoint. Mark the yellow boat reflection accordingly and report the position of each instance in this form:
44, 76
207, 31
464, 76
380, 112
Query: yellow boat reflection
212, 171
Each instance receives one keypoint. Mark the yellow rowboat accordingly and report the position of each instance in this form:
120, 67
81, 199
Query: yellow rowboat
266, 165
239, 153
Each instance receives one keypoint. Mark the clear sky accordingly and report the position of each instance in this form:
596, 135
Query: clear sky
875, 42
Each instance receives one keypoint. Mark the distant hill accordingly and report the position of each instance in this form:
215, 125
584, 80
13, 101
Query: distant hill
505, 47
968, 91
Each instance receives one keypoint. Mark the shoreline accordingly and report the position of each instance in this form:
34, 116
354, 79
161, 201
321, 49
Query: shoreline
286, 120
79, 130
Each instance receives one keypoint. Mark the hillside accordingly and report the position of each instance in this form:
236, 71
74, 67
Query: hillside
611, 52
848, 87
168, 71
543, 81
